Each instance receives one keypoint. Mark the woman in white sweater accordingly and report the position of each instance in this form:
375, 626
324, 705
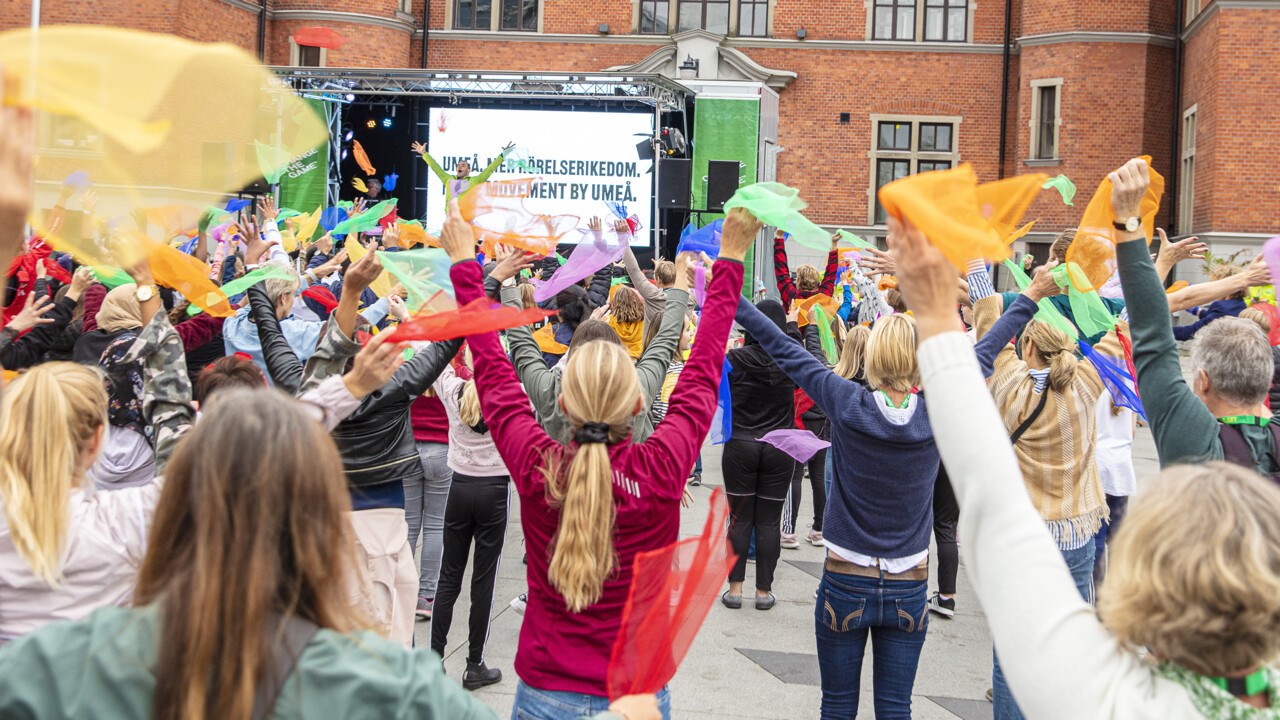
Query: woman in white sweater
1195, 571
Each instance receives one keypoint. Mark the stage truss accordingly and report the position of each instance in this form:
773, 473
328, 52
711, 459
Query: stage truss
340, 86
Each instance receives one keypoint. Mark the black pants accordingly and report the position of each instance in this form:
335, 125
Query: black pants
477, 508
756, 478
817, 481
946, 514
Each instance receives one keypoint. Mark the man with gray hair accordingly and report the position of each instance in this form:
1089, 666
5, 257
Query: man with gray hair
1221, 415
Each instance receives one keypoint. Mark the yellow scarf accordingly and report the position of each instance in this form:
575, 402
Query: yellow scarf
547, 343
631, 334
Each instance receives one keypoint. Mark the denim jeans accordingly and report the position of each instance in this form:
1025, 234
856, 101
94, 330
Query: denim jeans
896, 616
1080, 563
534, 704
1118, 504
424, 504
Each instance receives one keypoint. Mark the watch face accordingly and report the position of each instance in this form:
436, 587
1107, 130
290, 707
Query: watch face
144, 293
1132, 224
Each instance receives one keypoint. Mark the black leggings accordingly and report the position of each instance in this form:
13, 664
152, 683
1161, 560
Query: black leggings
477, 508
946, 514
756, 478
817, 481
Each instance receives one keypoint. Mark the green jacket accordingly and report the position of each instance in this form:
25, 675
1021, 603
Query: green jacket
103, 667
1184, 429
542, 384
472, 181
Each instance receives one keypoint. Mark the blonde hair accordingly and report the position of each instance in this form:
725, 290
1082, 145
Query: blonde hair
1208, 596
808, 278
600, 386
1257, 316
526, 296
853, 354
469, 404
1224, 271
1058, 248
52, 412
1054, 349
627, 306
891, 354
664, 272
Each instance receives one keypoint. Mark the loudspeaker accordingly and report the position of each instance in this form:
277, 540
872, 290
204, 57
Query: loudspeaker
673, 184
644, 149
722, 183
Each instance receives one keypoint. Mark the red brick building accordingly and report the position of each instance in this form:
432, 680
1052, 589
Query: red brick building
867, 90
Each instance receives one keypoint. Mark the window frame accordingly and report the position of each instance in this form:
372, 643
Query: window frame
673, 17
1187, 170
295, 55
502, 8
921, 13
757, 6
1035, 127
947, 6
912, 155
495, 17
639, 23
729, 7
406, 6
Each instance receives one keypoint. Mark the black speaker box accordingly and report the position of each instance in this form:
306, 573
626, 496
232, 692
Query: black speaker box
722, 183
673, 184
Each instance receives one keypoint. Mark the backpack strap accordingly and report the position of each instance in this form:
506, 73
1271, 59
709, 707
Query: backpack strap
286, 652
1017, 434
1234, 448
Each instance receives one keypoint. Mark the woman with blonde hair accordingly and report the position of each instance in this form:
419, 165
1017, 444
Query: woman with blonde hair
1187, 621
590, 506
1048, 399
879, 512
476, 510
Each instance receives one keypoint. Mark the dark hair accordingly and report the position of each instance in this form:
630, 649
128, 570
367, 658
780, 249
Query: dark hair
573, 306
227, 372
593, 330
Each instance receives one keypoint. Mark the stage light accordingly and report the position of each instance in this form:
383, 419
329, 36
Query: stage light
347, 133
350, 97
371, 124
386, 122
344, 154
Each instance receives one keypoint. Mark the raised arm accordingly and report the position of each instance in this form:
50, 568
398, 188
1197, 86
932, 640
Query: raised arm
431, 163
828, 286
420, 372
1184, 429
282, 363
653, 362
166, 387
539, 381
782, 273
493, 166
1206, 292
995, 334
676, 441
652, 294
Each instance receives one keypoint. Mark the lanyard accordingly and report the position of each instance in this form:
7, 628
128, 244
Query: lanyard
1251, 684
1245, 420
889, 401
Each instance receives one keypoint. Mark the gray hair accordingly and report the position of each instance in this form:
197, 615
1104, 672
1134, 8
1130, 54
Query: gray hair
277, 288
1236, 356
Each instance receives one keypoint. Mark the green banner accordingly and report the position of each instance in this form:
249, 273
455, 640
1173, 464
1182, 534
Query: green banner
726, 130
303, 183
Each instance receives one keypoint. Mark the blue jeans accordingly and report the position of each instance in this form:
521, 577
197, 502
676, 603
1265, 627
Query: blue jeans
1080, 563
424, 504
896, 616
534, 704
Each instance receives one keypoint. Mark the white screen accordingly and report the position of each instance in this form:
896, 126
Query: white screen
582, 158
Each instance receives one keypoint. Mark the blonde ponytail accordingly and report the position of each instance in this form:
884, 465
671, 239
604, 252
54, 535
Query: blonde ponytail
1055, 350
600, 393
469, 405
51, 413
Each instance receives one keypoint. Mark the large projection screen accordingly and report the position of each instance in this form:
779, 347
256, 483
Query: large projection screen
583, 159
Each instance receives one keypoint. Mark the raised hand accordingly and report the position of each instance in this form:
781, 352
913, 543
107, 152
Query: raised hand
267, 208
1042, 285
740, 231
80, 282
594, 225
361, 274
877, 262
456, 237
374, 365
418, 148
32, 313
622, 228
1129, 184
396, 307
512, 263
1175, 252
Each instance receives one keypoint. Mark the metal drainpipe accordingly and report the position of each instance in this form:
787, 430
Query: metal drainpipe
262, 32
1175, 156
426, 17
1004, 85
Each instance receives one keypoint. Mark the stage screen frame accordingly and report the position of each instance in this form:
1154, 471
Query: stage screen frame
573, 151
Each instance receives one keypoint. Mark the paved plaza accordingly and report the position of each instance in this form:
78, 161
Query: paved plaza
751, 664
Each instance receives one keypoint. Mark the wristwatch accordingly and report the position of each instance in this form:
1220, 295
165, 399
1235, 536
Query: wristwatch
144, 293
1130, 225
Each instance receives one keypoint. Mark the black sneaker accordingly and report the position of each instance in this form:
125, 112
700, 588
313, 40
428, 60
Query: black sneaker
478, 675
946, 607
696, 480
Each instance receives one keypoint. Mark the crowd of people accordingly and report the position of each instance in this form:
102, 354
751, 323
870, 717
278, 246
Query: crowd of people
218, 517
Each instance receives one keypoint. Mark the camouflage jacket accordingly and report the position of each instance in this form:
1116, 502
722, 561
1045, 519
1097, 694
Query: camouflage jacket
166, 388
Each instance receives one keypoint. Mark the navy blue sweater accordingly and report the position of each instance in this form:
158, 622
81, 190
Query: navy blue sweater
882, 475
1216, 309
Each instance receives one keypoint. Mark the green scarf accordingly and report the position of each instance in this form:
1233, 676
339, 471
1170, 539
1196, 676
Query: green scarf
1214, 702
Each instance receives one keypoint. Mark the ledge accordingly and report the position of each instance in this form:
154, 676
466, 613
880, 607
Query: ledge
1042, 162
1135, 38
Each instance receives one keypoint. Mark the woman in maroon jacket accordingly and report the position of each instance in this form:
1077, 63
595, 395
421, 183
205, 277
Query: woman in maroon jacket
589, 507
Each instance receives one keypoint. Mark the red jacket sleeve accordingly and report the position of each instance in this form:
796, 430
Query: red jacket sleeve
828, 286
782, 273
198, 330
520, 440
679, 436
93, 298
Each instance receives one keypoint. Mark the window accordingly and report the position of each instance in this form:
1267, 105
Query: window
473, 14
1046, 108
309, 56
894, 20
709, 15
945, 20
1187, 186
520, 15
753, 18
906, 146
1190, 10
653, 17
406, 6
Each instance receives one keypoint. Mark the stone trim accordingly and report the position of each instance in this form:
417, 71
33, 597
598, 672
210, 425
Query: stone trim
866, 45
344, 17
1097, 37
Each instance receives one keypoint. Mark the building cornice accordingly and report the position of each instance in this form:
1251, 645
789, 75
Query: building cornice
572, 38
1135, 38
1202, 19
344, 17
864, 45
254, 8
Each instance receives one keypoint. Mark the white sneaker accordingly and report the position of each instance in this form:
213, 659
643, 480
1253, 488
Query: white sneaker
789, 542
815, 538
519, 603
